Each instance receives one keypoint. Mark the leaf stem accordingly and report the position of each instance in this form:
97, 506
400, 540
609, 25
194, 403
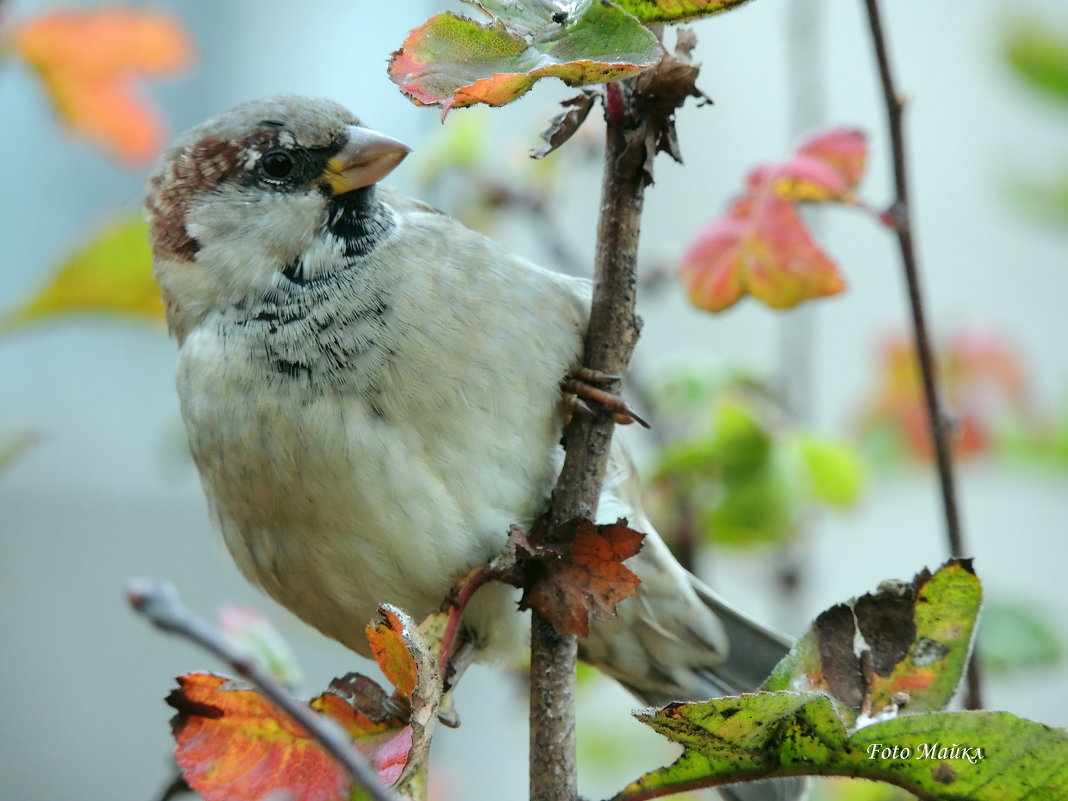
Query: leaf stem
159, 602
940, 423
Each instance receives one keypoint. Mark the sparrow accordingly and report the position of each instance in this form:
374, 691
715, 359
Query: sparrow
372, 397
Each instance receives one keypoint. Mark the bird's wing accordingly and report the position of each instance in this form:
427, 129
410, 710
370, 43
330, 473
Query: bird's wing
675, 639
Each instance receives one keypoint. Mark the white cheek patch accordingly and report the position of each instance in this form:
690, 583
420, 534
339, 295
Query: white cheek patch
248, 236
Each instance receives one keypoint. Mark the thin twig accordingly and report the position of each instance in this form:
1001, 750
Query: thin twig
940, 423
158, 601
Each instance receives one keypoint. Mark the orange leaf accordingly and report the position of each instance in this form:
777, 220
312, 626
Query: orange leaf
390, 640
89, 62
984, 385
760, 247
233, 743
590, 577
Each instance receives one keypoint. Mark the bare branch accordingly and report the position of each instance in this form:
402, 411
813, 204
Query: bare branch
940, 422
159, 602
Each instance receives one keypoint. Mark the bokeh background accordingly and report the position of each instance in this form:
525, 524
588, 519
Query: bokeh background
104, 492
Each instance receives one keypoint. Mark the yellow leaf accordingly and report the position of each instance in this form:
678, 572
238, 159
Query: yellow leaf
112, 274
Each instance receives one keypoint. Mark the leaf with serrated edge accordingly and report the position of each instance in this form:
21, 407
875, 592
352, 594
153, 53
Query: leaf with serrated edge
590, 577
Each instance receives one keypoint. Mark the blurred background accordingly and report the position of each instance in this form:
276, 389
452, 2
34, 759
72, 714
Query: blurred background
96, 487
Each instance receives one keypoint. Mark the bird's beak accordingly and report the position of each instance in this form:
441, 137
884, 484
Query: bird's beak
367, 158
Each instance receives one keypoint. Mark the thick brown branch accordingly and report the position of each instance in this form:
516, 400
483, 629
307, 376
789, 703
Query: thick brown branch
939, 422
613, 332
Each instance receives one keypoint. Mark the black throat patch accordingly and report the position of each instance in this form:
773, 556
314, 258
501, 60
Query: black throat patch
359, 220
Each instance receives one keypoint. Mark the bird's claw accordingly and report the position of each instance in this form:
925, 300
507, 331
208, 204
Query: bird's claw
581, 387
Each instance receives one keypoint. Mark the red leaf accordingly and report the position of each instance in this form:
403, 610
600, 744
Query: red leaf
761, 247
234, 743
589, 578
89, 62
826, 168
844, 150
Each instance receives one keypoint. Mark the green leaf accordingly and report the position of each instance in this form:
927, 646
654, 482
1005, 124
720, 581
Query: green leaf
252, 630
112, 274
947, 756
834, 469
1040, 57
904, 646
740, 442
12, 446
452, 61
758, 507
650, 11
1014, 636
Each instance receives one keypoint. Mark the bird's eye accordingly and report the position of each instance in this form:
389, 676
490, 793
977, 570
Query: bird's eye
277, 164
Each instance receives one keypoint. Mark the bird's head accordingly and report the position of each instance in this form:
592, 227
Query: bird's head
273, 191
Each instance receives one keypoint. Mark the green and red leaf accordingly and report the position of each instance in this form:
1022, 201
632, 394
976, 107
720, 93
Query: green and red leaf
985, 386
452, 61
904, 646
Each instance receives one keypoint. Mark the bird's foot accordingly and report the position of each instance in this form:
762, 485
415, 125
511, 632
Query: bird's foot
581, 388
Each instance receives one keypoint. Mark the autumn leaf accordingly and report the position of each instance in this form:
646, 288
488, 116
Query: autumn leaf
589, 577
390, 637
826, 168
452, 61
984, 384
870, 673
111, 274
903, 647
90, 63
407, 655
761, 246
233, 743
